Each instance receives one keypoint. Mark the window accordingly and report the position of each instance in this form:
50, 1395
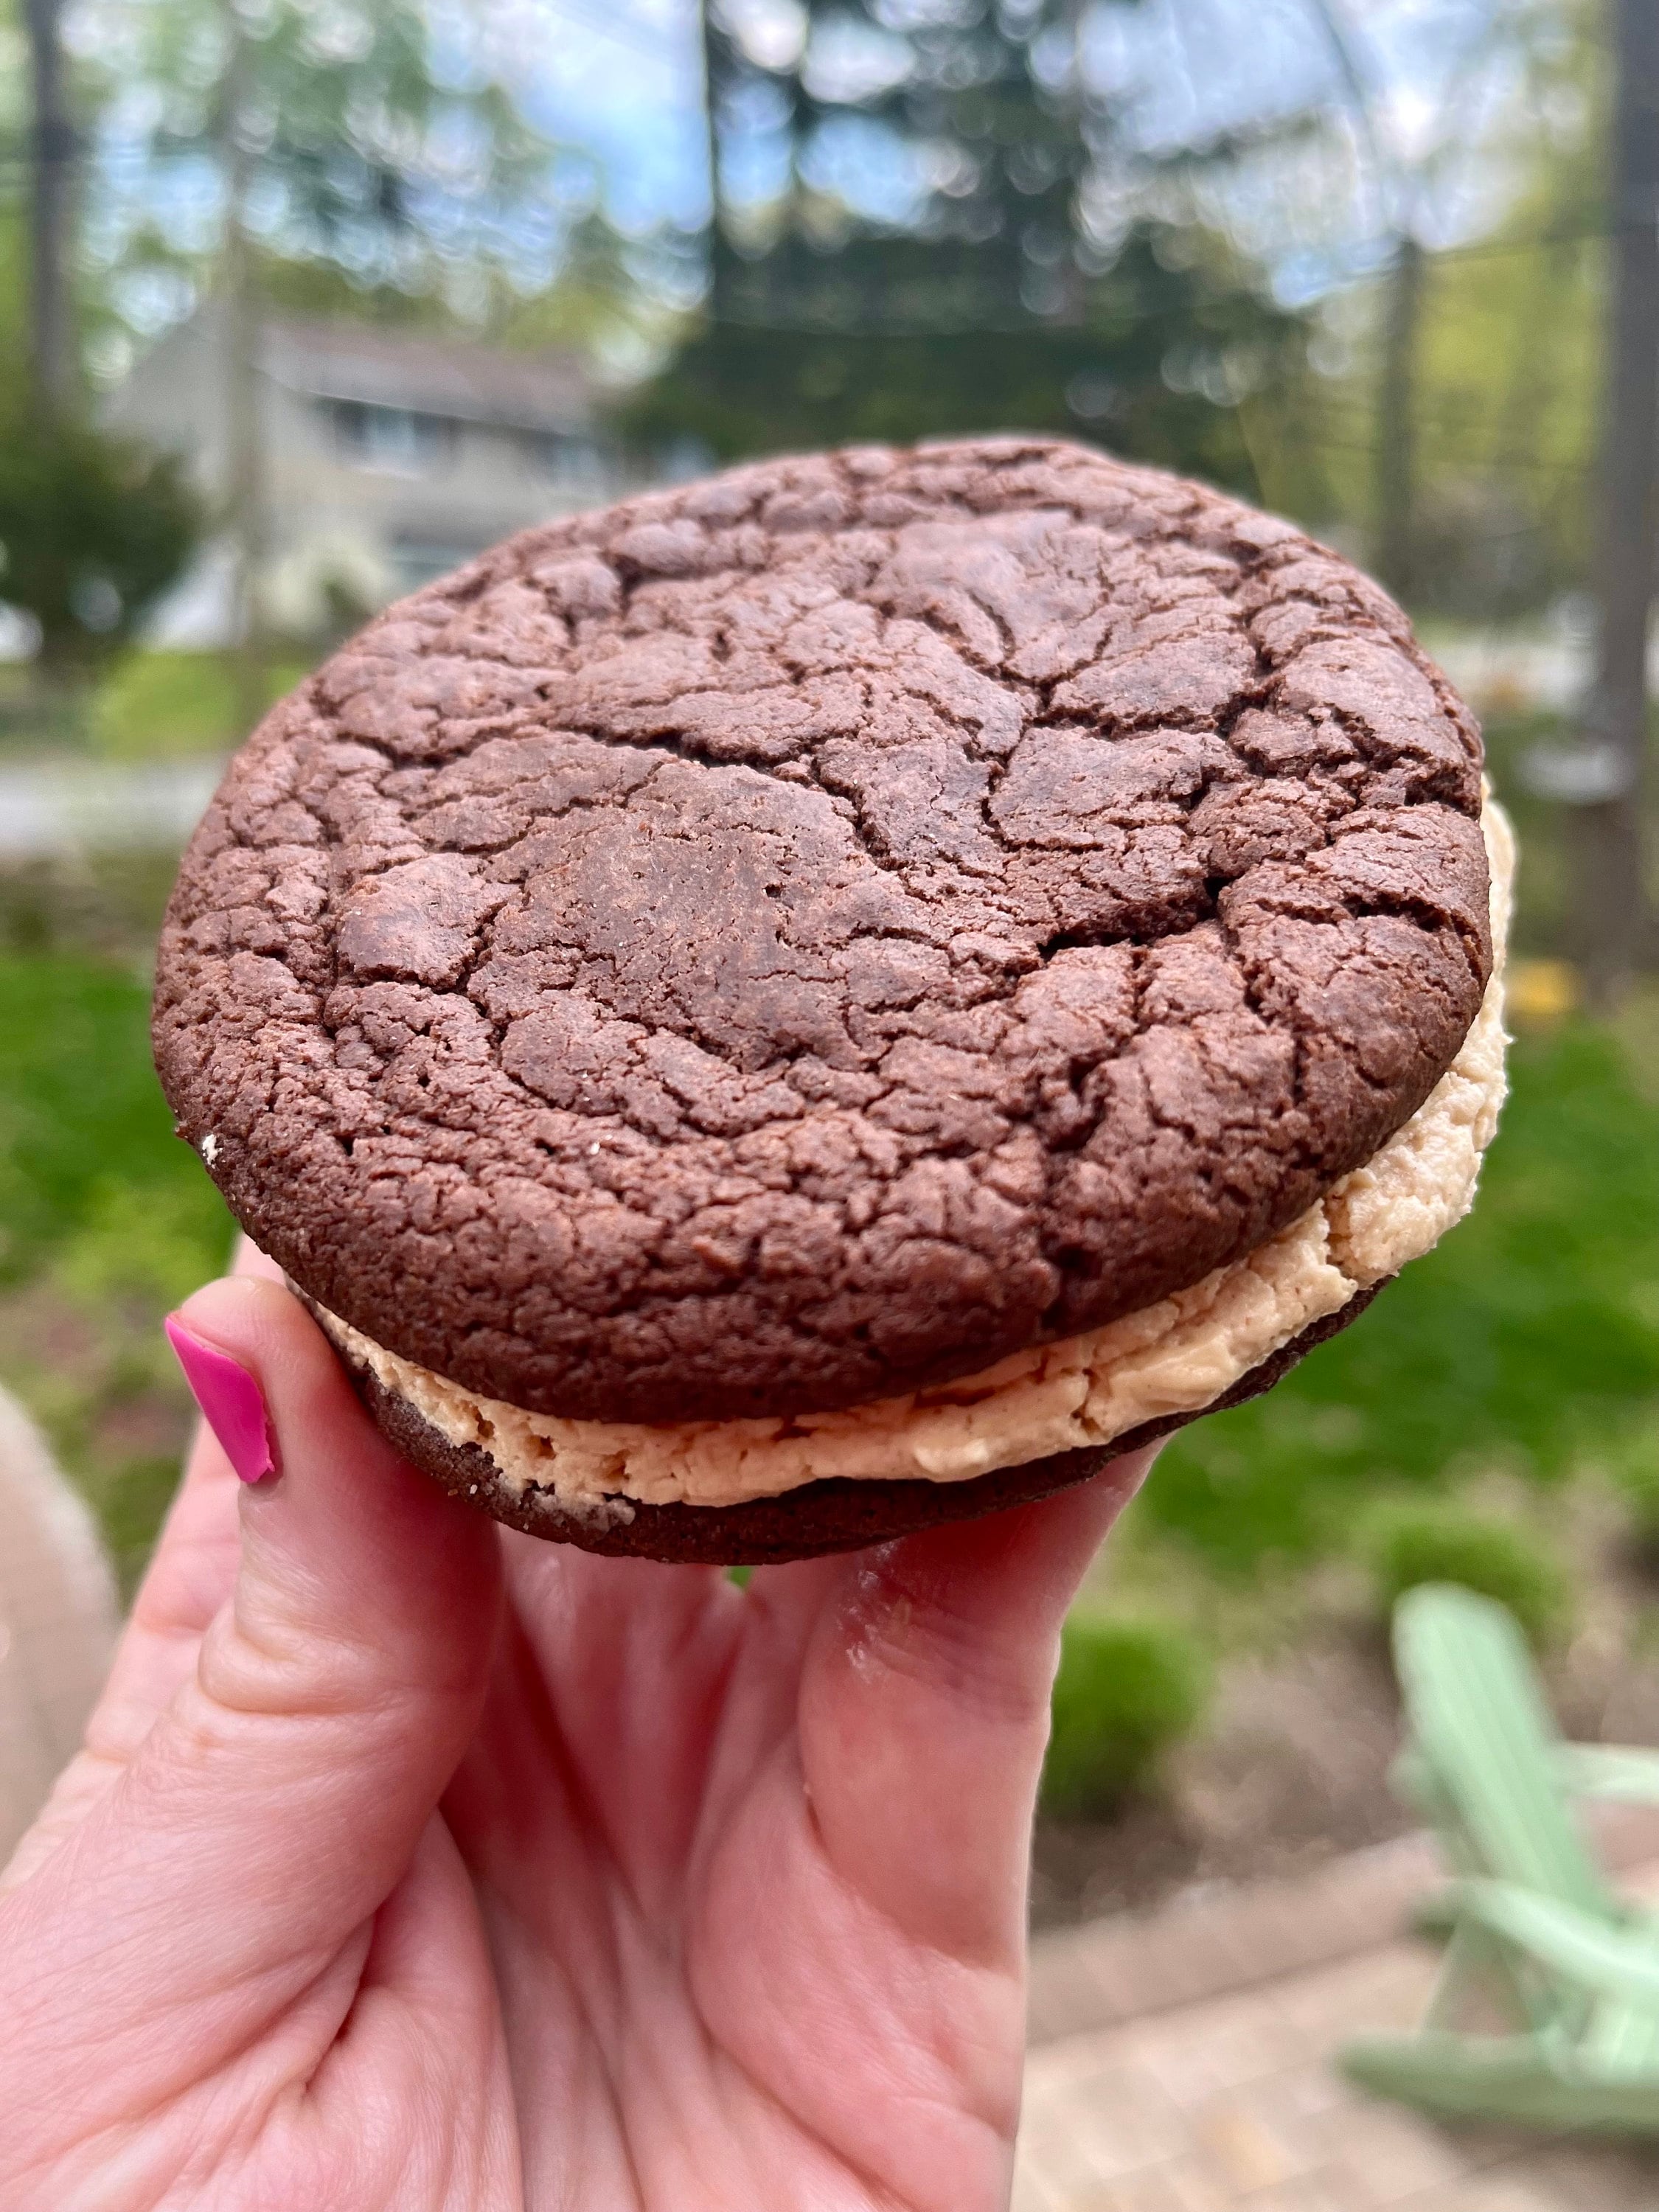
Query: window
566, 459
417, 561
399, 440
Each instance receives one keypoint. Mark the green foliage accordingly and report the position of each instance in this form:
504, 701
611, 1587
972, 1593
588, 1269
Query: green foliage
143, 1245
107, 1221
161, 705
1404, 1545
110, 904
381, 149
130, 1501
1127, 1693
998, 298
90, 1171
94, 529
1506, 369
1527, 1339
1530, 1339
1506, 416
1145, 366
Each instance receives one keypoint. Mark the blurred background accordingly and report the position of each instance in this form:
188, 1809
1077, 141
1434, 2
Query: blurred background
304, 301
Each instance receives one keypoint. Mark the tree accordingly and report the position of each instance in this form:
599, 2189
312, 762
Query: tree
345, 144
1169, 342
349, 140
1007, 290
93, 531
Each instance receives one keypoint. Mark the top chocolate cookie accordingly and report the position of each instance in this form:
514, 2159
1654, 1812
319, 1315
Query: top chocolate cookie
783, 940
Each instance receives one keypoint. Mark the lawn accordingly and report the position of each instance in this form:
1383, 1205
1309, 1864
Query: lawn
160, 705
1528, 1344
148, 705
106, 1221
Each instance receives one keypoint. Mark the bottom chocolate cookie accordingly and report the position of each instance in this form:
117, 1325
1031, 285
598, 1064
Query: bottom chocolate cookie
834, 1516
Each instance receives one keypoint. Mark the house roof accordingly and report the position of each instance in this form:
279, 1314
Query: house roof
454, 377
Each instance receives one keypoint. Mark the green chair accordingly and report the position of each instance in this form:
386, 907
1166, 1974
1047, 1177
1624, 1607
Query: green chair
1546, 2009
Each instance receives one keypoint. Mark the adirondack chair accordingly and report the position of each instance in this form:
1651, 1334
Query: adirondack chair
1546, 2009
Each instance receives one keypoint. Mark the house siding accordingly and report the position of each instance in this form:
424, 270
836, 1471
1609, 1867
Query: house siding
369, 523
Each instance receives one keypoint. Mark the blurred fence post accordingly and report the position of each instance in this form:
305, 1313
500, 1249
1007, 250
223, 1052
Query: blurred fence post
1612, 909
243, 396
1393, 482
1396, 420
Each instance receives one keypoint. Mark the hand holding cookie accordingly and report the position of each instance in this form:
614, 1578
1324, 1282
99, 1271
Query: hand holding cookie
803, 1020
413, 1863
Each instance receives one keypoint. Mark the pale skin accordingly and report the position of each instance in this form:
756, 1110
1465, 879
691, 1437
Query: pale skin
411, 1864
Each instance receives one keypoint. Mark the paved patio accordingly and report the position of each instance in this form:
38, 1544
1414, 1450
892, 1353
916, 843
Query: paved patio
1202, 2083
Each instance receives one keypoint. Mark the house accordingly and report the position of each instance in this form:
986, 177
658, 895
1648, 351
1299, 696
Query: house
386, 458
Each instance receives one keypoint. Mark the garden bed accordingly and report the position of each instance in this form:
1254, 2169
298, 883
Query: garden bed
1291, 1766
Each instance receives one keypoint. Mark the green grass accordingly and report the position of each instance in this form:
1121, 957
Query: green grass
148, 705
1404, 1546
85, 1134
162, 706
107, 1221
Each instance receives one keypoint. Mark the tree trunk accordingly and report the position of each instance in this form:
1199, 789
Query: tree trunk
51, 150
1611, 901
1396, 421
240, 331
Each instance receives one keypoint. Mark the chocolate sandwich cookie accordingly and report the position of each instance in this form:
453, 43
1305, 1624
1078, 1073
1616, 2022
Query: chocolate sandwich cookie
843, 995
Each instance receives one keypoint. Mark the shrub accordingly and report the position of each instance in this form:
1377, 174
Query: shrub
1126, 1692
1633, 1463
95, 528
1406, 1545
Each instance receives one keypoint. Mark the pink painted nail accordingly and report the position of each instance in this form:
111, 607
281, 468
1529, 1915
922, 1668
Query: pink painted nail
231, 1402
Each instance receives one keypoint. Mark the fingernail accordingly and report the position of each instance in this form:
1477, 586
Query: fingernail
231, 1403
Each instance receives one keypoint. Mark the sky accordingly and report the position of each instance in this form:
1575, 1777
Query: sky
623, 78
1411, 89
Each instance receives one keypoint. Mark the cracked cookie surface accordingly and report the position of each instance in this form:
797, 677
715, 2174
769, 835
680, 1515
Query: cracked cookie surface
812, 933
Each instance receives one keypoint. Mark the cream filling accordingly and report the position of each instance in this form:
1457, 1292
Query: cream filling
1175, 1357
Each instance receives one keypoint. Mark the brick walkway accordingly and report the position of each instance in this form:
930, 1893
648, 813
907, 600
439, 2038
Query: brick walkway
1202, 2083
